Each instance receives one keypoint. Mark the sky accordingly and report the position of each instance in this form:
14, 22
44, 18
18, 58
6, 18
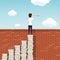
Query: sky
14, 14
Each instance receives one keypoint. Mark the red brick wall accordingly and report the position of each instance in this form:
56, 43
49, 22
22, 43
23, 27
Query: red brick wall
46, 42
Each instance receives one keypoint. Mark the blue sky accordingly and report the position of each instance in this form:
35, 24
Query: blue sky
23, 7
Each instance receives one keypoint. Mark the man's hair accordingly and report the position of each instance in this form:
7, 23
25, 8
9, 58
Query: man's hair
30, 14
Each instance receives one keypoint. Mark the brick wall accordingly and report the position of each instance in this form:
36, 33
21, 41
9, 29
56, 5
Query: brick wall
46, 42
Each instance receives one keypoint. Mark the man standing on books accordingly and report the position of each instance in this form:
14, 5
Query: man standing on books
30, 19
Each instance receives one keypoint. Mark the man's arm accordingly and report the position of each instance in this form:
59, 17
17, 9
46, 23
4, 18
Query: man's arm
35, 17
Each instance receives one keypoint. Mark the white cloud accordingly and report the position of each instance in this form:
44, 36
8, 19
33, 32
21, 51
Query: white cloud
17, 25
40, 2
12, 13
50, 22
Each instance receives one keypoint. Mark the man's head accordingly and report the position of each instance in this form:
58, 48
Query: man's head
30, 15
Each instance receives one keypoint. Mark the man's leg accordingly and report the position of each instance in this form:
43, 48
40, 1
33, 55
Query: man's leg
30, 29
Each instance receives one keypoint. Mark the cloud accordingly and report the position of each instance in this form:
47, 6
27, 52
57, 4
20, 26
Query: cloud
50, 22
40, 2
12, 13
17, 25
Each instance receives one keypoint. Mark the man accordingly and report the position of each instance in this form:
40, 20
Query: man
30, 23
